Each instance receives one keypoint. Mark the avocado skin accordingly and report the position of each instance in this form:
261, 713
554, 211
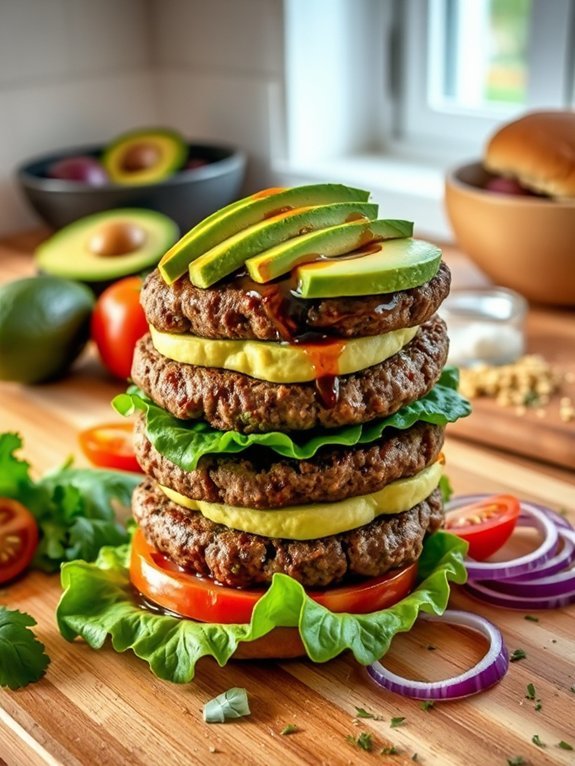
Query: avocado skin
245, 212
44, 326
171, 161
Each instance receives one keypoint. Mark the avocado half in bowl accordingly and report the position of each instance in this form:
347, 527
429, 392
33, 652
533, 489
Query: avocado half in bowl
211, 177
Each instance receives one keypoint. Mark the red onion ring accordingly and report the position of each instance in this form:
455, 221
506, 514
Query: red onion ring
562, 560
486, 673
484, 592
523, 565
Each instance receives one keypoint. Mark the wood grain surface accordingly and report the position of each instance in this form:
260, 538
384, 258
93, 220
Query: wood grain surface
108, 709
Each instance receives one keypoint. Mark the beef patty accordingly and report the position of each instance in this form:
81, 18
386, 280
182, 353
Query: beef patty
231, 401
240, 559
260, 478
238, 310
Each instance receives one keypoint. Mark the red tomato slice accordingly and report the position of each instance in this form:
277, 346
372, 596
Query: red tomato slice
118, 322
199, 598
485, 525
18, 538
110, 445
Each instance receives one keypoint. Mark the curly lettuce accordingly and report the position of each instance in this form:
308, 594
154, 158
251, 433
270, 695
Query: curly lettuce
98, 603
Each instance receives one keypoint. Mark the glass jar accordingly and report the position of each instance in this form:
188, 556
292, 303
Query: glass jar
485, 325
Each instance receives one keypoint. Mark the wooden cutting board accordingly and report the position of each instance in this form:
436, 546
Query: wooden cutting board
538, 433
108, 709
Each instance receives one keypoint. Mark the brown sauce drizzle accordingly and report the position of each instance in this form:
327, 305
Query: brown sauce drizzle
285, 309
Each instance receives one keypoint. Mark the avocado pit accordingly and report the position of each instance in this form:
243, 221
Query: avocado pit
140, 156
117, 238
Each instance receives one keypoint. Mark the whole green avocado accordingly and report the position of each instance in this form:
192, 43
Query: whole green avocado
44, 325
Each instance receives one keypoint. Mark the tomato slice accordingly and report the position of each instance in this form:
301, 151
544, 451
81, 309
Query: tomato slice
18, 538
163, 583
110, 445
485, 525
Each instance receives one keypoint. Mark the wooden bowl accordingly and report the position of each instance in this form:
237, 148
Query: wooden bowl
526, 243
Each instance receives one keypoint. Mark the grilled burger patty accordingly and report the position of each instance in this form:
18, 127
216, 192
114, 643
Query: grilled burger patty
240, 559
259, 478
231, 401
236, 312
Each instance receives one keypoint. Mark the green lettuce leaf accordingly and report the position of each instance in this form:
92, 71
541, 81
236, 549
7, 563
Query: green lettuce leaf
184, 442
75, 508
98, 602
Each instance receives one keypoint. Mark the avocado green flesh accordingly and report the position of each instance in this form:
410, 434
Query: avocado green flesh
232, 253
244, 213
334, 241
172, 153
67, 254
398, 264
44, 325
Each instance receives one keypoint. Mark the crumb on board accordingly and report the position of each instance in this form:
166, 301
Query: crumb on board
527, 383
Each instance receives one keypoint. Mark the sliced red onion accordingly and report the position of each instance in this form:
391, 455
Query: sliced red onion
486, 570
485, 592
487, 672
557, 563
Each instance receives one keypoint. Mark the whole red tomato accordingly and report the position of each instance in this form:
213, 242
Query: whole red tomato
118, 322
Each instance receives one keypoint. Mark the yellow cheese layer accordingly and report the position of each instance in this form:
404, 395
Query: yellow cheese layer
282, 362
308, 522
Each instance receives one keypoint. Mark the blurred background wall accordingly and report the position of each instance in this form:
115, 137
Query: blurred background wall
81, 71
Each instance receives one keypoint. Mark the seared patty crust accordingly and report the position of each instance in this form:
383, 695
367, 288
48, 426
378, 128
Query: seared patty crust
259, 478
231, 311
231, 401
240, 559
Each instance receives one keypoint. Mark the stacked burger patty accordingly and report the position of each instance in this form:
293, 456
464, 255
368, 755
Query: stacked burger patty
258, 479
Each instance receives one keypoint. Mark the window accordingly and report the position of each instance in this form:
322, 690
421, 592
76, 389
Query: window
387, 94
467, 66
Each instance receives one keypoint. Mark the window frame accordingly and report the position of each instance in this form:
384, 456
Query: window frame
456, 129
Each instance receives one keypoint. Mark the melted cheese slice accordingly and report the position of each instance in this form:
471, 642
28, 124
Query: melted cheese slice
283, 362
308, 522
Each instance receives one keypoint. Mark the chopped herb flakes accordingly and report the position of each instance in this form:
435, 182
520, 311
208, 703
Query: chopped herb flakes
228, 705
517, 654
363, 713
427, 705
516, 760
531, 618
538, 705
530, 692
291, 728
415, 757
565, 745
537, 741
392, 750
395, 722
364, 741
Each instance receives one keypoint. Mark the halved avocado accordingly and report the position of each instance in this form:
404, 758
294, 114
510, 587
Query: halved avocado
246, 212
398, 264
232, 253
337, 240
107, 246
144, 156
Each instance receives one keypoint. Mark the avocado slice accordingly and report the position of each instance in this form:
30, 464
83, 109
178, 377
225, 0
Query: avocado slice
337, 240
106, 246
395, 265
144, 156
232, 253
246, 212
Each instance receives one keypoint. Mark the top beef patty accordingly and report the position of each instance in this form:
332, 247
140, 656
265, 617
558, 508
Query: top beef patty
232, 401
243, 310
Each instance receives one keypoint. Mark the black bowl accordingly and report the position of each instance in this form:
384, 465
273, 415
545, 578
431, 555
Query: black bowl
187, 197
